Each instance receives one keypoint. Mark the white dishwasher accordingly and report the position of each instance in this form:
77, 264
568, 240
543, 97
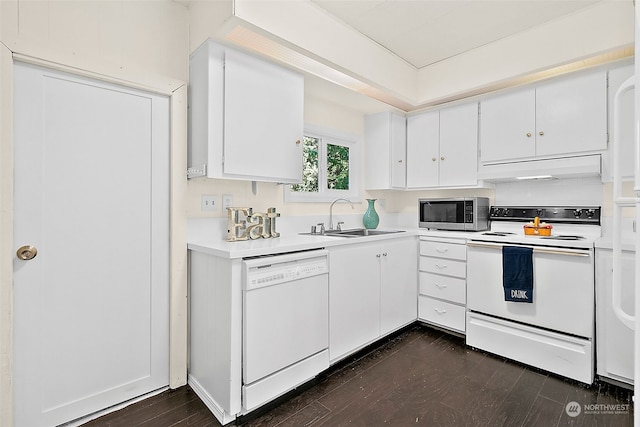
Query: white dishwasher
285, 323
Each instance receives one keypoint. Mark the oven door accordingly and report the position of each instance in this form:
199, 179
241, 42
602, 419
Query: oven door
563, 288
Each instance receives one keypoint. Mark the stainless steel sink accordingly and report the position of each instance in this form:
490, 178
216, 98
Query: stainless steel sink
355, 232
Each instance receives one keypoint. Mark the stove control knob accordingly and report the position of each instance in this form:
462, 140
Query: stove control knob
539, 212
577, 213
591, 213
506, 212
499, 211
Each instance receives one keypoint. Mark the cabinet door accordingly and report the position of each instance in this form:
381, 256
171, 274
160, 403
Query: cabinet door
354, 298
385, 151
459, 145
398, 151
263, 119
423, 152
507, 126
398, 284
571, 115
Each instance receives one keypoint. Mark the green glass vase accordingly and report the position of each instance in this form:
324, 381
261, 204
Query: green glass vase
371, 218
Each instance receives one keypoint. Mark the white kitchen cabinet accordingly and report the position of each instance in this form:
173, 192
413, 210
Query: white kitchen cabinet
385, 136
372, 291
442, 148
246, 116
442, 299
563, 117
614, 341
398, 284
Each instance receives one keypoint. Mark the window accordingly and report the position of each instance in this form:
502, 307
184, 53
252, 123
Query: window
329, 168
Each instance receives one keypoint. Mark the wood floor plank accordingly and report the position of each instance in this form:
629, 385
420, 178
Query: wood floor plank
515, 408
421, 377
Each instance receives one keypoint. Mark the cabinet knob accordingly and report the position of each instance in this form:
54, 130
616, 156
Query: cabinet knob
528, 134
541, 133
399, 161
433, 159
442, 158
377, 255
298, 142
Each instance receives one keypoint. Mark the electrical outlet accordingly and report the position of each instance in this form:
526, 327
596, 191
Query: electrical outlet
209, 202
382, 203
227, 201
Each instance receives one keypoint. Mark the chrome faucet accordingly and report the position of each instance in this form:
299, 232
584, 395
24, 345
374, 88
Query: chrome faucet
331, 210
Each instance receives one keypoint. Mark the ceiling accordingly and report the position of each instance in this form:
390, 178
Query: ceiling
424, 32
416, 54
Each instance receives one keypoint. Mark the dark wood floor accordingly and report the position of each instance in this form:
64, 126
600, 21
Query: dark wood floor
419, 377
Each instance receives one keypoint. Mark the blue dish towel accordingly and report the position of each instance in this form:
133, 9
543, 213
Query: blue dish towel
517, 273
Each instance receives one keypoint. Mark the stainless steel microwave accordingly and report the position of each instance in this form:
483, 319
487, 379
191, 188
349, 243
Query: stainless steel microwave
463, 214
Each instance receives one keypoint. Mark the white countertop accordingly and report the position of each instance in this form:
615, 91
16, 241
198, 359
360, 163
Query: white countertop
290, 242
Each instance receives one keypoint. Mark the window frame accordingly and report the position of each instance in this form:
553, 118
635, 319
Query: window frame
330, 136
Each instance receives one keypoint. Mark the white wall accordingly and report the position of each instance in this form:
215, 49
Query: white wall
144, 44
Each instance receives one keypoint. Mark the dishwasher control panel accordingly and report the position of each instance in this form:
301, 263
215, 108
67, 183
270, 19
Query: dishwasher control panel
274, 270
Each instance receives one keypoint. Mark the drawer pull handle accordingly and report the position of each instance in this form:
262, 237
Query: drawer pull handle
437, 310
442, 250
441, 267
440, 286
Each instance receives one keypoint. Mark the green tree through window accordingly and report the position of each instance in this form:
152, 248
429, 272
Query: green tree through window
329, 167
337, 167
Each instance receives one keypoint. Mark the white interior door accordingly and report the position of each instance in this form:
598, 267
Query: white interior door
92, 195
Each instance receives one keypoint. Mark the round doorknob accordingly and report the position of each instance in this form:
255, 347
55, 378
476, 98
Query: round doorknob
26, 252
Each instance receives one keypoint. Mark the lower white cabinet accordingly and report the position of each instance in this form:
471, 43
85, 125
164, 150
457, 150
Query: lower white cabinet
443, 271
372, 292
614, 341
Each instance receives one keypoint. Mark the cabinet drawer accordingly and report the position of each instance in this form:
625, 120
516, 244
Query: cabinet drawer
443, 287
443, 250
441, 313
448, 267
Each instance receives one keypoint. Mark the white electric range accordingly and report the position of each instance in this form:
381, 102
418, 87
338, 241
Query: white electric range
552, 328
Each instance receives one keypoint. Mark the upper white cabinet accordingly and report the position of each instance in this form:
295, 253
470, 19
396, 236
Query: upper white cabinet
246, 116
564, 117
442, 147
385, 151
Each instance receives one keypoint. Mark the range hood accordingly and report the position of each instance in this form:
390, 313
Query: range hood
563, 167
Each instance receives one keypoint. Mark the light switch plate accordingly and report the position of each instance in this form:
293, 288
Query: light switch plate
227, 201
209, 202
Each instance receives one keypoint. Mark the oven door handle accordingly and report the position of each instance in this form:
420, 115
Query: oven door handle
569, 252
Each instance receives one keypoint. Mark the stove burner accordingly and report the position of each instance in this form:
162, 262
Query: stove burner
497, 233
563, 237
